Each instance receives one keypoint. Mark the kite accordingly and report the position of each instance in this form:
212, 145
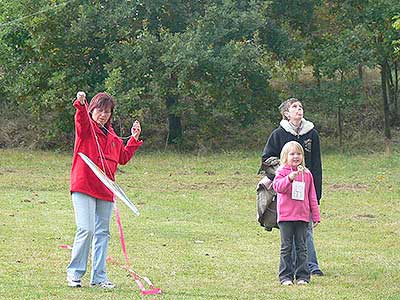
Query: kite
111, 185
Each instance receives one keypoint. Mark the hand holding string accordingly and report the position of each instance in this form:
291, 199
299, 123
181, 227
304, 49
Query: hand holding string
81, 96
136, 129
292, 175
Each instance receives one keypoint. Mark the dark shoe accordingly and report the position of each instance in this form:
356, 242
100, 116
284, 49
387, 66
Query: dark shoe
317, 273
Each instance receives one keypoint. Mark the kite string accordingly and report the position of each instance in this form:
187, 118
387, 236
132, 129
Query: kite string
35, 13
118, 218
101, 153
135, 275
121, 137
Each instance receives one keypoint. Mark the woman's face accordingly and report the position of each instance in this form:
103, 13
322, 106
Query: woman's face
295, 111
101, 115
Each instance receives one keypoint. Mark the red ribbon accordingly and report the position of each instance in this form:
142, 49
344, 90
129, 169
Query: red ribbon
136, 276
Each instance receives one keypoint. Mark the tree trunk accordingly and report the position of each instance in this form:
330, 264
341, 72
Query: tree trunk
386, 112
390, 84
360, 72
340, 115
396, 94
174, 122
340, 126
317, 76
392, 88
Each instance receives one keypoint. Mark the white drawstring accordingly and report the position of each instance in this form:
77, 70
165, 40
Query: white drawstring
123, 138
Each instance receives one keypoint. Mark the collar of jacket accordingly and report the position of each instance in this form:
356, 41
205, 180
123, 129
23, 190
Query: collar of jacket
307, 126
98, 129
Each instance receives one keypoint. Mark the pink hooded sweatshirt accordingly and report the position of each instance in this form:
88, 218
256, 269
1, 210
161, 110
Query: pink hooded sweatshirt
295, 210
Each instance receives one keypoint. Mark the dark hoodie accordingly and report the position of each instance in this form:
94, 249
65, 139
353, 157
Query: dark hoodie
308, 138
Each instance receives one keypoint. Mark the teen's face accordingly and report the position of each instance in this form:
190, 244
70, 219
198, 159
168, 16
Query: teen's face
294, 157
295, 112
101, 115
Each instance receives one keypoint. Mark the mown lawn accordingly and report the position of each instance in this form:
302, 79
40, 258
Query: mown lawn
197, 237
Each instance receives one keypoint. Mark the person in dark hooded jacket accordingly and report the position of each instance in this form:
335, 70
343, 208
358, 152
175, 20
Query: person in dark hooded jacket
293, 127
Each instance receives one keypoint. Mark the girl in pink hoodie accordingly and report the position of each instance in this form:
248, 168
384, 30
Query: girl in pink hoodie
297, 202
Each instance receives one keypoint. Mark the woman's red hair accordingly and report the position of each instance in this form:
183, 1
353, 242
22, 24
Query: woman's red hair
102, 101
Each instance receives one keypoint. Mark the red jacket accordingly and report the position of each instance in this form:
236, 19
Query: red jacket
83, 179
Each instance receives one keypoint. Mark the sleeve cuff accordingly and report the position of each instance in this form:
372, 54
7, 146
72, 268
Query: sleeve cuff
77, 104
135, 143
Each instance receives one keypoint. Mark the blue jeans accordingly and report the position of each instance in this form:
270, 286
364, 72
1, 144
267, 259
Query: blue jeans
297, 231
92, 218
312, 254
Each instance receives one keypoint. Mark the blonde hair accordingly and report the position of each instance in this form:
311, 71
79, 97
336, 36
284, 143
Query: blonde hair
285, 152
284, 107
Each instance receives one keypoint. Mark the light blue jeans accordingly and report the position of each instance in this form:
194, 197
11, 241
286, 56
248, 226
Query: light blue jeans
92, 218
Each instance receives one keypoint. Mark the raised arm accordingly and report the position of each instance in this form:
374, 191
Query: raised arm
82, 121
133, 144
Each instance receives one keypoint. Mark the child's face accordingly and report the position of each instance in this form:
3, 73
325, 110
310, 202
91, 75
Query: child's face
294, 112
294, 157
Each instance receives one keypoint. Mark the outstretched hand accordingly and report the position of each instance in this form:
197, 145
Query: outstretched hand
136, 129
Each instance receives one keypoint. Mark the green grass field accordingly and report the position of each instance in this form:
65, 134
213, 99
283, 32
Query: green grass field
197, 237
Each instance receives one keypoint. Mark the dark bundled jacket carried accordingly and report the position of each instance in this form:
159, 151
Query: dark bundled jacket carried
266, 196
308, 139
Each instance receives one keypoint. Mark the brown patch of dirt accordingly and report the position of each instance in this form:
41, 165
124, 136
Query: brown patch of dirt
365, 216
348, 187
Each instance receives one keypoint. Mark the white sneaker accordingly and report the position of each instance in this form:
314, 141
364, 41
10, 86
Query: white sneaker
302, 282
104, 285
75, 283
287, 282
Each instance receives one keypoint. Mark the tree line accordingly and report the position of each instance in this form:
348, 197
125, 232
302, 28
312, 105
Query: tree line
196, 73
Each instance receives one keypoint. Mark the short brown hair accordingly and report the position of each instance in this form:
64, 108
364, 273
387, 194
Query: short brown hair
102, 101
284, 107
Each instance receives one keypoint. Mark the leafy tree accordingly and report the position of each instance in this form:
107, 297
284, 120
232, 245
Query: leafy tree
350, 34
193, 70
339, 55
396, 25
49, 55
207, 72
163, 57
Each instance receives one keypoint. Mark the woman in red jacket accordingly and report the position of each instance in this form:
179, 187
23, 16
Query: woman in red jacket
92, 200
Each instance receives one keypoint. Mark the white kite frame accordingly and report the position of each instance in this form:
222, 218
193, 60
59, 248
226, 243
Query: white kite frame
111, 185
